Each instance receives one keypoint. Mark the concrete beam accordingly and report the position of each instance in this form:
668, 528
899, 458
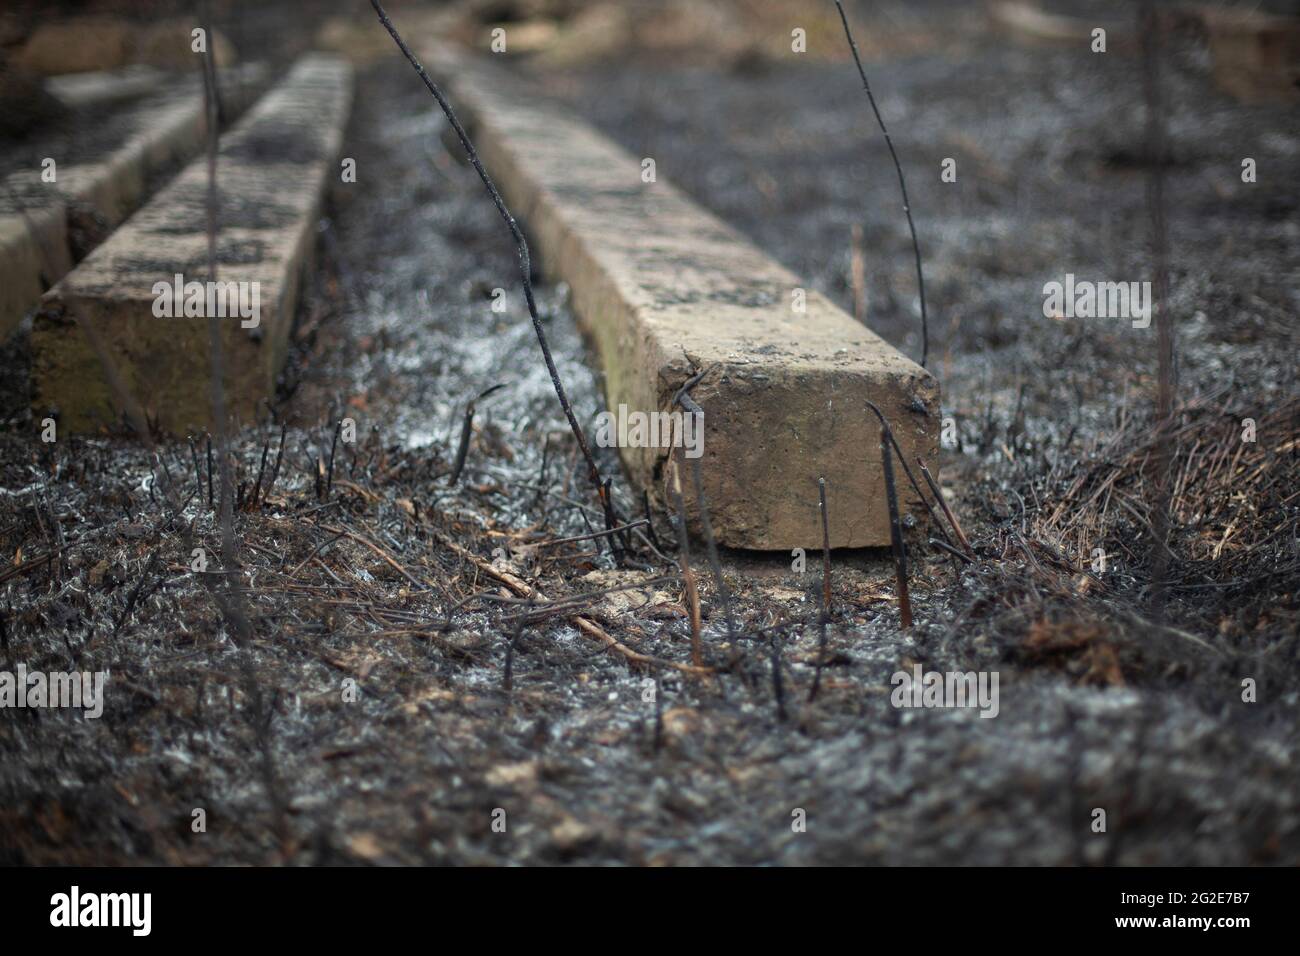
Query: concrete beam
662, 287
94, 190
34, 250
272, 171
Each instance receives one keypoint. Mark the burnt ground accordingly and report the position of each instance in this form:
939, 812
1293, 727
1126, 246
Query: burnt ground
382, 574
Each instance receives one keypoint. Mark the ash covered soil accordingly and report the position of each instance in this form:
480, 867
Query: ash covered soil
384, 577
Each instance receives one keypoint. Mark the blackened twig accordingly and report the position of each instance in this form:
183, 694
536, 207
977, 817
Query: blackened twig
215, 343
952, 518
466, 429
541, 474
778, 686
824, 617
230, 601
587, 537
684, 556
826, 550
135, 591
711, 545
659, 717
314, 551
692, 408
198, 472
1149, 29
28, 565
261, 469
275, 469
895, 532
334, 446
462, 449
649, 524
951, 550
911, 479
857, 273
59, 542
508, 672
902, 185
618, 543
525, 261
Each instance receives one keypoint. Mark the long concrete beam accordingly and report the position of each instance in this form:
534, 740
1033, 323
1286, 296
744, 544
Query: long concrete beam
93, 191
663, 287
272, 170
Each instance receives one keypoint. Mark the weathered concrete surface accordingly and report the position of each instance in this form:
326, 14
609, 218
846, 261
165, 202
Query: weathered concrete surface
34, 250
661, 286
99, 186
272, 171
